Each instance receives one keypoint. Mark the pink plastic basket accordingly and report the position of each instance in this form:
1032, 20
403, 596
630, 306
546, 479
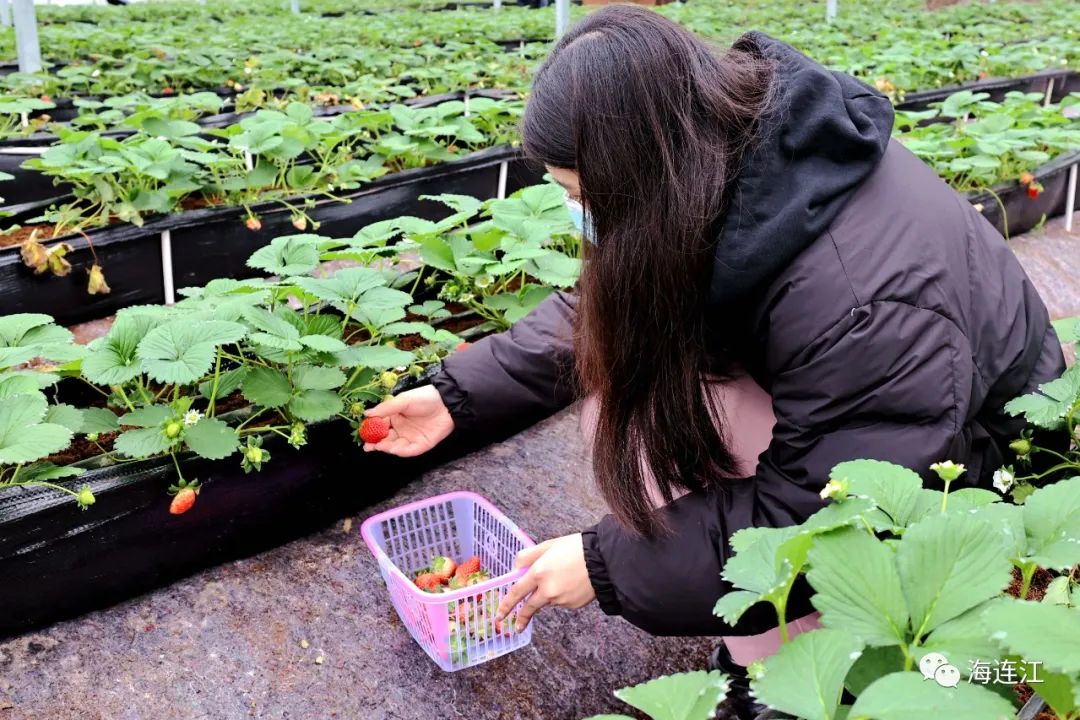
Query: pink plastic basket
457, 628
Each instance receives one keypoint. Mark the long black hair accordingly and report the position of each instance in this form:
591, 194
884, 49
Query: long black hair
655, 122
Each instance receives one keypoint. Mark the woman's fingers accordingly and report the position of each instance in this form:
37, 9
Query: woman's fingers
397, 405
518, 591
528, 609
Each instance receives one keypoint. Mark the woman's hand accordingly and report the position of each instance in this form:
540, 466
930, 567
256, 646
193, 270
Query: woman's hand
418, 422
557, 576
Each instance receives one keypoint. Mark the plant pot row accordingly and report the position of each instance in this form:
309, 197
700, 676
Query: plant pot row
212, 243
29, 186
1060, 82
1012, 211
58, 561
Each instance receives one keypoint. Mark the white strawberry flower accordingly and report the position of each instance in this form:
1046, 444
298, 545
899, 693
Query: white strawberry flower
1004, 479
191, 417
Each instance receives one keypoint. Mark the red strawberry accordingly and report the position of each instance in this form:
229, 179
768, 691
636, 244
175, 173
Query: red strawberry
443, 568
167, 91
182, 502
374, 429
467, 568
1026, 178
1034, 190
461, 346
428, 582
253, 223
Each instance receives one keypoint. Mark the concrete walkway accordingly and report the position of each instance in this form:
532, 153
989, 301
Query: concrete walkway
227, 643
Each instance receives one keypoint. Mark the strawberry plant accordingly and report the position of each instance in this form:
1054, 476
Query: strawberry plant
32, 428
15, 117
899, 572
1055, 407
984, 143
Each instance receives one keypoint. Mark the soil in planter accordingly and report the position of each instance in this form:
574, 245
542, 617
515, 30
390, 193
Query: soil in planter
82, 449
20, 235
1023, 693
1037, 589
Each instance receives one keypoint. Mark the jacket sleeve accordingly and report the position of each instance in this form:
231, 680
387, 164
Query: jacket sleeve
506, 382
888, 381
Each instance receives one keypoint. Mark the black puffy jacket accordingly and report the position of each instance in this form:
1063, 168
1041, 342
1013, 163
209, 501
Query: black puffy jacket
883, 314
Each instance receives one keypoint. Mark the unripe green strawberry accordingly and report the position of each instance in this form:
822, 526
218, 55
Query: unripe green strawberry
92, 437
173, 428
388, 379
85, 498
1021, 447
254, 455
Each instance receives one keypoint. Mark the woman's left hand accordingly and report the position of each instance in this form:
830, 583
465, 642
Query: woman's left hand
557, 576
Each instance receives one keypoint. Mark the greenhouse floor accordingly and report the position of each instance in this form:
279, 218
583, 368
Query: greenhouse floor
230, 642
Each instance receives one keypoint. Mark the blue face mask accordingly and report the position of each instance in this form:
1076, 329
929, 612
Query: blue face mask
581, 219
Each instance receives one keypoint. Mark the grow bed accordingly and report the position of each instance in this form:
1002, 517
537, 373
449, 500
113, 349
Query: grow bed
1012, 211
143, 265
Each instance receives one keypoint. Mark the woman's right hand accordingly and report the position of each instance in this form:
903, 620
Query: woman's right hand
418, 422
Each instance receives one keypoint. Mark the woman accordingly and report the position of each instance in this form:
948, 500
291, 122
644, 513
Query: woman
751, 225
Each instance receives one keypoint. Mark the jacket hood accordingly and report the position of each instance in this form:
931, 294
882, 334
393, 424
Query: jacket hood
823, 136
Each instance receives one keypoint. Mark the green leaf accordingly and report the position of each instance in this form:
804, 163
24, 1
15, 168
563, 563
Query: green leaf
99, 420
228, 382
182, 351
313, 377
18, 384
683, 696
874, 662
733, 604
23, 437
212, 439
267, 387
858, 587
806, 676
323, 343
66, 415
949, 564
147, 417
378, 357
894, 489
754, 566
113, 360
142, 443
910, 696
1067, 329
47, 472
1052, 522
1047, 407
291, 255
315, 405
1037, 631
964, 639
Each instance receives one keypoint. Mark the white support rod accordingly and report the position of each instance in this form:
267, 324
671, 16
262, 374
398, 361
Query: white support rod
562, 17
1049, 93
295, 6
166, 268
1070, 198
501, 192
498, 4
830, 9
26, 36
5, 13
